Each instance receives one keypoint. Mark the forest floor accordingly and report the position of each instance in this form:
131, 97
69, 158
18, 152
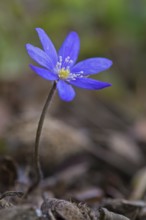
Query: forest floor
92, 156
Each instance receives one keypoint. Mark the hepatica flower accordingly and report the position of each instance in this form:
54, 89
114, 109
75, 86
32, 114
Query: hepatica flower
62, 67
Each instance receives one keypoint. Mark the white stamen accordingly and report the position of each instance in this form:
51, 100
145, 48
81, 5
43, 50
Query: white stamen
73, 76
67, 59
65, 66
60, 59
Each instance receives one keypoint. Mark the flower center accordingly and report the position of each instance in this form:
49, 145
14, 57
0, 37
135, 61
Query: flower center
64, 73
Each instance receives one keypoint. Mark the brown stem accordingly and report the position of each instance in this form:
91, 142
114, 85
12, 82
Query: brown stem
37, 141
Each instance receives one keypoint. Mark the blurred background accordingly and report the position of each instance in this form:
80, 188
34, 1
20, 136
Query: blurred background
113, 29
114, 117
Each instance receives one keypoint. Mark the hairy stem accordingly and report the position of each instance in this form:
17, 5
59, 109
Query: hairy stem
37, 141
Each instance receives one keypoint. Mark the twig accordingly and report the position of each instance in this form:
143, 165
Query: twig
11, 193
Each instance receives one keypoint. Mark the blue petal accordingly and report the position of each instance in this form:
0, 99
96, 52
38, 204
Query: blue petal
47, 45
66, 92
39, 56
92, 66
70, 48
46, 74
86, 83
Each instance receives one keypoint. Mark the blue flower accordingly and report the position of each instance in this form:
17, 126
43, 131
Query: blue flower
61, 66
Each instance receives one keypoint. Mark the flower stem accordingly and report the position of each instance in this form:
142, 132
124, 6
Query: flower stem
37, 141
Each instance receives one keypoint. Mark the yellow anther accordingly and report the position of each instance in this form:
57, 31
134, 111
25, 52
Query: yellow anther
64, 73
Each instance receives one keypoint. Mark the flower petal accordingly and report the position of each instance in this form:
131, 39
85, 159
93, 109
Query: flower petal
86, 83
70, 48
92, 66
39, 56
46, 74
66, 92
47, 45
